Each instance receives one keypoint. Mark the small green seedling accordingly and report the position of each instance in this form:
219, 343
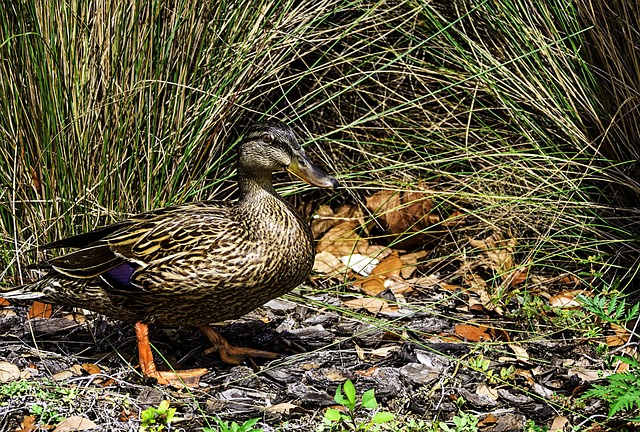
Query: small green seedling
45, 414
224, 426
346, 396
157, 419
480, 363
463, 422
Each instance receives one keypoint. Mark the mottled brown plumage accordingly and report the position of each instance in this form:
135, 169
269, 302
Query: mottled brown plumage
197, 263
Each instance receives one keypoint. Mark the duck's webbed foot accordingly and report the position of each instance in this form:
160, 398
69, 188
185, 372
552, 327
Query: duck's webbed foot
180, 378
228, 353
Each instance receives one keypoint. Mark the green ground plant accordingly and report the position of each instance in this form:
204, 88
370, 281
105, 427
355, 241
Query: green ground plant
353, 409
225, 426
45, 414
462, 422
611, 308
531, 426
14, 388
157, 419
48, 401
622, 391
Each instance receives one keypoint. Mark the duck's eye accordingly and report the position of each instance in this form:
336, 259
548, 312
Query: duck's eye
267, 137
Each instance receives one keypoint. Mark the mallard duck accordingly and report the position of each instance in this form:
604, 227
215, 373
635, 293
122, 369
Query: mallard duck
197, 263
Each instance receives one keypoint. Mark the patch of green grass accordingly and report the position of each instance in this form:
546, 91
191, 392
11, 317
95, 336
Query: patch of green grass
531, 426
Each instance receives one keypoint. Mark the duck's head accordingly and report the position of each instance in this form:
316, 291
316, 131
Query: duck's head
271, 146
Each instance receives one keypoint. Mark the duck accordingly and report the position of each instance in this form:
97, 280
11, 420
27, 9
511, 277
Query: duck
193, 264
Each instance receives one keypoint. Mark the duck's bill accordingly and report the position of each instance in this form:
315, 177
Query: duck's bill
302, 168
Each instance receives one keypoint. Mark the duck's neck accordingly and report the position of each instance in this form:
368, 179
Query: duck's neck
255, 186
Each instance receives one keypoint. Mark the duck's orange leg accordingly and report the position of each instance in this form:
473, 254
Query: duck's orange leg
228, 353
148, 366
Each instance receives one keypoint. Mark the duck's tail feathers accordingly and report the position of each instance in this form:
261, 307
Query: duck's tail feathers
32, 291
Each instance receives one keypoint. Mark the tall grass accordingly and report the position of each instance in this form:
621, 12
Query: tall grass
498, 107
114, 108
518, 113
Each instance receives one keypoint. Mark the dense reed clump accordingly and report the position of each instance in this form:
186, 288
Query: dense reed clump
521, 114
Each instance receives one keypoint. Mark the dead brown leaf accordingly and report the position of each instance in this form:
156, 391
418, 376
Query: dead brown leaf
75, 423
475, 282
359, 352
285, 407
375, 283
334, 375
472, 333
425, 281
454, 219
367, 372
91, 369
526, 374
521, 353
398, 286
484, 390
571, 280
8, 372
559, 424
106, 383
410, 263
517, 276
566, 300
327, 264
488, 420
40, 310
360, 264
62, 375
325, 218
404, 212
620, 337
76, 317
385, 351
28, 424
498, 252
343, 240
373, 305
126, 414
498, 334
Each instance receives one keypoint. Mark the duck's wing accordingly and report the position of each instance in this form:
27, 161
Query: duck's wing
139, 241
84, 240
87, 239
